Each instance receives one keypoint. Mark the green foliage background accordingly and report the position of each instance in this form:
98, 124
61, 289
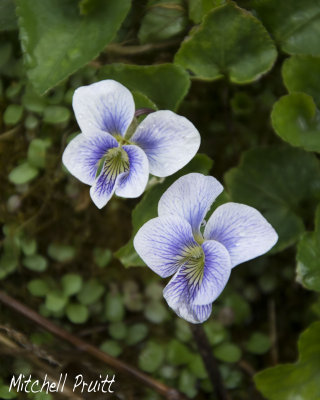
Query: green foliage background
247, 74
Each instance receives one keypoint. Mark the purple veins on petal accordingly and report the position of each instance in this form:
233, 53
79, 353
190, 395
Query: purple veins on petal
161, 243
82, 155
106, 105
133, 183
169, 140
242, 229
190, 197
116, 165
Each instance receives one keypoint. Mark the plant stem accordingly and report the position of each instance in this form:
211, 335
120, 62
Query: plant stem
210, 362
120, 366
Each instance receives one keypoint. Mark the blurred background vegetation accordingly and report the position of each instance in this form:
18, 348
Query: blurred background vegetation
60, 254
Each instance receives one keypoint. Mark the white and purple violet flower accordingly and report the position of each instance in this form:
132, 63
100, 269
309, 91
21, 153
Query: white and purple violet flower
110, 157
200, 259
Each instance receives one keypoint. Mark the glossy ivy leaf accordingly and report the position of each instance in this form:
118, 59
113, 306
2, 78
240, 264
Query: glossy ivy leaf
308, 256
163, 19
8, 20
57, 40
281, 182
199, 8
165, 84
300, 380
293, 23
301, 74
148, 207
296, 119
230, 42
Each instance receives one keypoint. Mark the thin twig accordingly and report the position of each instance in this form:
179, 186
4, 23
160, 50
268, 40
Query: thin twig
209, 361
120, 366
8, 135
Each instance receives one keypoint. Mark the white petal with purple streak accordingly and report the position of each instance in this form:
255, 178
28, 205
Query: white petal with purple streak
216, 273
169, 141
161, 243
190, 197
106, 105
133, 183
82, 155
242, 229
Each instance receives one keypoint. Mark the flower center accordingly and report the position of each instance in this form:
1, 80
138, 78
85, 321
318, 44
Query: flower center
114, 162
193, 262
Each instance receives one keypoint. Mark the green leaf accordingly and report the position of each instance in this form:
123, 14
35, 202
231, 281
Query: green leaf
28, 246
71, 283
229, 42
88, 6
293, 23
8, 20
163, 20
258, 343
77, 313
156, 312
215, 332
23, 173
281, 182
301, 74
9, 259
300, 380
61, 252
187, 383
111, 347
32, 101
38, 287
91, 292
178, 353
151, 357
308, 256
56, 114
37, 153
296, 119
142, 101
13, 114
148, 207
136, 333
196, 366
102, 257
199, 8
165, 84
55, 301
228, 352
36, 262
57, 40
5, 394
118, 330
114, 308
